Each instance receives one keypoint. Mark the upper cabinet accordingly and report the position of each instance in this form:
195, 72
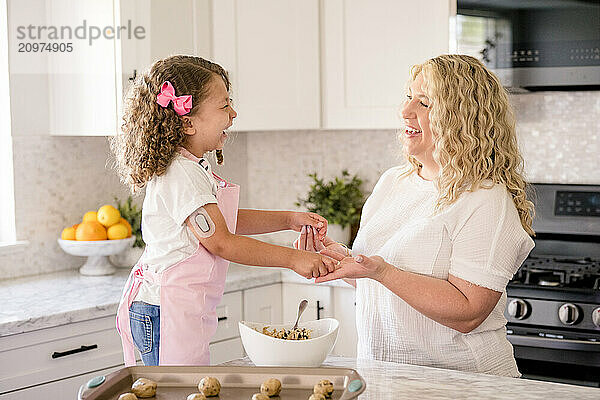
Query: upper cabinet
271, 50
310, 64
368, 48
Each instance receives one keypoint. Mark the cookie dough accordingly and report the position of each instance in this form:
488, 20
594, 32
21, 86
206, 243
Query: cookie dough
324, 387
209, 386
260, 396
196, 396
271, 387
317, 396
128, 396
144, 388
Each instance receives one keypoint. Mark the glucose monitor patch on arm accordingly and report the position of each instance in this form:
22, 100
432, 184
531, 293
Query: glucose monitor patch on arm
202, 223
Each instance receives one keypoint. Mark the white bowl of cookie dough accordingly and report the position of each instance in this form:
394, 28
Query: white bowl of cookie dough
267, 351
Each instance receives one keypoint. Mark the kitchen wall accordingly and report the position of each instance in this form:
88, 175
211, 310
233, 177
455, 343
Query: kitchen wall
57, 179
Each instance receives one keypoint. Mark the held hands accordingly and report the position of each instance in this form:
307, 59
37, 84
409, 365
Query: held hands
298, 220
308, 240
355, 267
312, 265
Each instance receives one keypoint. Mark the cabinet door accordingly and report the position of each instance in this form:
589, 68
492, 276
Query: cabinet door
368, 48
82, 83
63, 389
169, 28
229, 313
226, 350
263, 304
319, 302
271, 51
344, 310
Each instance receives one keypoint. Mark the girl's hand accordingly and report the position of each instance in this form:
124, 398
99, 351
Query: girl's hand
312, 265
299, 219
355, 267
308, 241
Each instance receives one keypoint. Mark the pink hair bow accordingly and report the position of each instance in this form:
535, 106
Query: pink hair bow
181, 104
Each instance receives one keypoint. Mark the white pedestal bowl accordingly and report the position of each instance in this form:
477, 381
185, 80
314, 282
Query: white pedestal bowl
97, 252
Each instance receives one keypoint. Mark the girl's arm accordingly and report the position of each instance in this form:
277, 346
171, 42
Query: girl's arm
455, 303
254, 222
209, 226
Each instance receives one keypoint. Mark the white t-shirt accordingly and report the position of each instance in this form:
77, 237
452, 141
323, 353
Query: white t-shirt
479, 238
170, 199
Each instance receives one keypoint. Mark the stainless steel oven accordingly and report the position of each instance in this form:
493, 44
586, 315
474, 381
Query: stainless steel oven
553, 307
534, 44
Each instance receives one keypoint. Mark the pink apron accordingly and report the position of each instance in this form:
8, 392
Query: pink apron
189, 294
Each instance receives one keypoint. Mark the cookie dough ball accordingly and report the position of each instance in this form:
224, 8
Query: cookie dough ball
196, 396
260, 396
271, 387
209, 386
324, 387
144, 388
128, 396
317, 396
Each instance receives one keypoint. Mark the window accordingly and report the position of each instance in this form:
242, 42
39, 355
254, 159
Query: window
7, 199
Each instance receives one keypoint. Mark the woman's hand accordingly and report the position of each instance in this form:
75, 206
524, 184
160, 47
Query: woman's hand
308, 240
297, 220
355, 267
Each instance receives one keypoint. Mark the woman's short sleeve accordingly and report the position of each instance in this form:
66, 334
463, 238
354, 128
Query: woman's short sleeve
185, 188
489, 243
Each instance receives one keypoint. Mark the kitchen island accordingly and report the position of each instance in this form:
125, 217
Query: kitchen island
386, 380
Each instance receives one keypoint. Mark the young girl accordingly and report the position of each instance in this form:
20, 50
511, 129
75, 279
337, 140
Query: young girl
176, 112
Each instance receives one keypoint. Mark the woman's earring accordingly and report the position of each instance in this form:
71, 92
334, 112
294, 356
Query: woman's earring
219, 154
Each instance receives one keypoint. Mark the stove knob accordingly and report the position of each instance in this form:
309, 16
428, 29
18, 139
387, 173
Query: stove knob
518, 308
596, 317
568, 313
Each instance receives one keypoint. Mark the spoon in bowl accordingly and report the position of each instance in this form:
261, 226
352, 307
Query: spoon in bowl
301, 308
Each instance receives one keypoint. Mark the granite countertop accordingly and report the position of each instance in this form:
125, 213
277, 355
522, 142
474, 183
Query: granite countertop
50, 300
386, 380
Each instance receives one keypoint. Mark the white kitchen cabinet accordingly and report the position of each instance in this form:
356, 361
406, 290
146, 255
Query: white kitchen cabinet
226, 350
81, 83
64, 389
44, 356
271, 50
229, 313
319, 301
367, 50
263, 304
344, 310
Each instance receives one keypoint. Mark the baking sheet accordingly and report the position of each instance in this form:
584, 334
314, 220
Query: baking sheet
236, 382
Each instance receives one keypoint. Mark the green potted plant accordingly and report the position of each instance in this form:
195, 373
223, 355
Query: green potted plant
339, 200
133, 214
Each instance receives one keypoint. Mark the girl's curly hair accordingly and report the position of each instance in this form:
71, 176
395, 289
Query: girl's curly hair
474, 132
151, 134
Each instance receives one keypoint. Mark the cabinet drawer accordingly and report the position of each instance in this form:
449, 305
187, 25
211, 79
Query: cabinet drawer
226, 350
229, 313
42, 356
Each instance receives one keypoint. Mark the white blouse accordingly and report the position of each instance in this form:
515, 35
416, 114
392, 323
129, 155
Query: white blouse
479, 238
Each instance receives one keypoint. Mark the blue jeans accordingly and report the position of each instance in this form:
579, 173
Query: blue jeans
144, 319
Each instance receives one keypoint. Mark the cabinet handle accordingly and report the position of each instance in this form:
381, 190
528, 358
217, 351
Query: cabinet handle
58, 354
132, 78
319, 308
221, 319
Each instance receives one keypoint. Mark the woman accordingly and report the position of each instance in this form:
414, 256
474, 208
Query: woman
440, 238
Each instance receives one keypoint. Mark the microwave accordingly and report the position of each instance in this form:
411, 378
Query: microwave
533, 44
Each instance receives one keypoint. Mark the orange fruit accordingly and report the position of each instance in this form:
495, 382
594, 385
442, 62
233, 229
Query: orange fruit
75, 226
126, 223
68, 233
116, 232
90, 216
108, 215
90, 230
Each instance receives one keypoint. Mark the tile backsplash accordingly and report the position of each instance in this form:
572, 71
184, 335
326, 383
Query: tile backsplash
57, 179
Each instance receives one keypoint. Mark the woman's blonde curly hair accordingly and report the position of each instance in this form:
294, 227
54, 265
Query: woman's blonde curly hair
151, 134
474, 132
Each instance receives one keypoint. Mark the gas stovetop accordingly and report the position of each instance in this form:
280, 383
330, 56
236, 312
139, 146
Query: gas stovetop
559, 272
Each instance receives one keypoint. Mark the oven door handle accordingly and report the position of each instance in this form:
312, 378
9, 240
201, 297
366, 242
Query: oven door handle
552, 343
